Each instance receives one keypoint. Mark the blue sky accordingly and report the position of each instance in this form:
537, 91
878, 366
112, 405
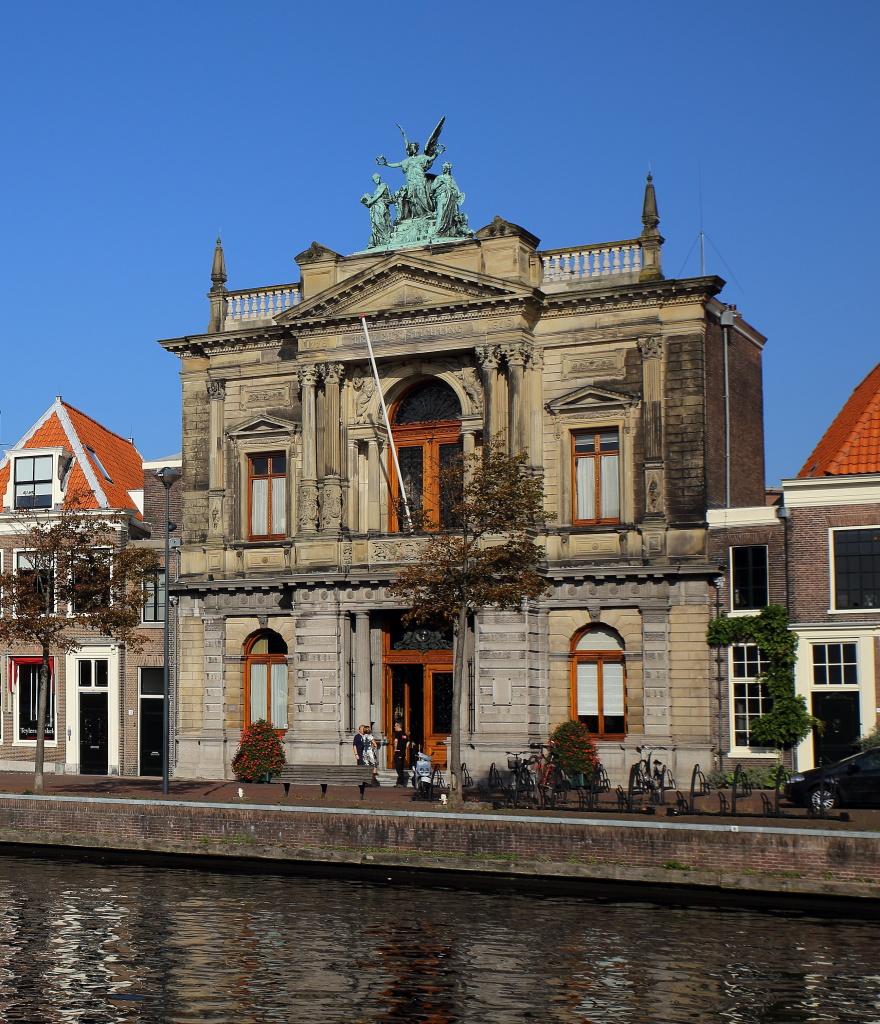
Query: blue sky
134, 132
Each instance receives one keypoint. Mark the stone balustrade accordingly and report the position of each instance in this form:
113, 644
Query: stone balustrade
262, 303
591, 261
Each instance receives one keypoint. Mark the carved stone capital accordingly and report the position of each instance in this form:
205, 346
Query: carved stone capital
651, 348
308, 376
216, 390
488, 356
333, 373
518, 354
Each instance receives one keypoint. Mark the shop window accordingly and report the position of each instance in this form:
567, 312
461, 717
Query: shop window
596, 474
265, 679
27, 680
426, 427
749, 571
598, 682
857, 569
750, 698
835, 664
267, 496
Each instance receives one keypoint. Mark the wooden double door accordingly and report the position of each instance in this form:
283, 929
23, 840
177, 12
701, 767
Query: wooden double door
418, 693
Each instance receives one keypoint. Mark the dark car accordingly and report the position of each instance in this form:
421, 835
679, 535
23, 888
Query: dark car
854, 781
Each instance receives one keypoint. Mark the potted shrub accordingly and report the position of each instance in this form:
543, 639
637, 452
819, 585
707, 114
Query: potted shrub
575, 751
259, 755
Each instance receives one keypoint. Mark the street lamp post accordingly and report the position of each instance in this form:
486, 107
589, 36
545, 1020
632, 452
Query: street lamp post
168, 476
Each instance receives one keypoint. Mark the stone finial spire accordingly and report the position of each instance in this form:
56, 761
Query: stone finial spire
650, 217
650, 237
217, 294
218, 267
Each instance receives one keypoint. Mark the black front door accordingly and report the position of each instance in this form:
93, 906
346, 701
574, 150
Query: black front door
839, 734
151, 735
93, 733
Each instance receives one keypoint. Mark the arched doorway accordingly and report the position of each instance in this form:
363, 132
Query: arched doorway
265, 679
418, 686
598, 681
426, 427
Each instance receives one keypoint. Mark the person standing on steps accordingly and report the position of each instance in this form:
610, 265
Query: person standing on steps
371, 747
358, 746
401, 750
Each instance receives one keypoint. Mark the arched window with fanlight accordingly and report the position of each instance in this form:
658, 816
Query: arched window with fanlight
426, 426
598, 681
265, 679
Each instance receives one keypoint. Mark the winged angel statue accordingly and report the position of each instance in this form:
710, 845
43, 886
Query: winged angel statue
428, 205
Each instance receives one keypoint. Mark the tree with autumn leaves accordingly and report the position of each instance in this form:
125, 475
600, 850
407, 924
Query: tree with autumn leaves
72, 577
485, 555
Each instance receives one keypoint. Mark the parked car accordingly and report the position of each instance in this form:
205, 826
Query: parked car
854, 781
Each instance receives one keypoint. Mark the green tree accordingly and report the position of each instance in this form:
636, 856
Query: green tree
788, 721
72, 576
489, 557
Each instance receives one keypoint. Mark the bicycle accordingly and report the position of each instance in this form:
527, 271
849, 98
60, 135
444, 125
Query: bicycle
652, 780
550, 779
522, 781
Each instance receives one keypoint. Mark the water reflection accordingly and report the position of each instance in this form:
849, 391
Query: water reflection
80, 943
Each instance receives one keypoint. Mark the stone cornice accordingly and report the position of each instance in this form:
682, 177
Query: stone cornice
631, 296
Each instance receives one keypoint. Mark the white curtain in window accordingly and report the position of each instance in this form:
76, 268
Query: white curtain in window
610, 481
586, 488
279, 524
279, 696
260, 507
612, 689
587, 688
259, 680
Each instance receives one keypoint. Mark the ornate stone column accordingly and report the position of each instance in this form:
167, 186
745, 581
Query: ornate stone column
331, 489
374, 470
308, 488
216, 484
362, 683
516, 356
535, 390
652, 439
489, 356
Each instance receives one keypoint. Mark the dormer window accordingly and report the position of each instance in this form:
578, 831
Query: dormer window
33, 481
97, 461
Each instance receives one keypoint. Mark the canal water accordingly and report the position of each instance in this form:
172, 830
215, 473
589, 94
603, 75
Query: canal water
94, 944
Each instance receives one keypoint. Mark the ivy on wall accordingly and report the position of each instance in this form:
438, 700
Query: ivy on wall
788, 721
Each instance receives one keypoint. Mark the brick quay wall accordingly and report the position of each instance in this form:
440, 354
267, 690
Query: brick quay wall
747, 858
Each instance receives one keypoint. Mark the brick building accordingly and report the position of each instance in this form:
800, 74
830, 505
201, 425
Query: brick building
834, 569
814, 548
105, 702
637, 398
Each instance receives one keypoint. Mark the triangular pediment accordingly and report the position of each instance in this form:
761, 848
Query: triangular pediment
259, 426
404, 282
589, 398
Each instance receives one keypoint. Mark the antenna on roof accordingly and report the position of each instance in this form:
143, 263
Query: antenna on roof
702, 232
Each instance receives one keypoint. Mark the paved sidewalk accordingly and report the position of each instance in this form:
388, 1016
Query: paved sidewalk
388, 797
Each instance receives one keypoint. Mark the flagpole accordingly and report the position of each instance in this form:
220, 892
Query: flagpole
409, 524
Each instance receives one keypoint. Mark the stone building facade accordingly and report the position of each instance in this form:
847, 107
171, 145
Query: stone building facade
608, 375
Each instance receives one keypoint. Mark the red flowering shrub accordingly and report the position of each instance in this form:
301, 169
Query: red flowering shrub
259, 752
575, 748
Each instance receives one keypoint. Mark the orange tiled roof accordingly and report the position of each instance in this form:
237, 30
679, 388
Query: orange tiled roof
852, 443
105, 467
